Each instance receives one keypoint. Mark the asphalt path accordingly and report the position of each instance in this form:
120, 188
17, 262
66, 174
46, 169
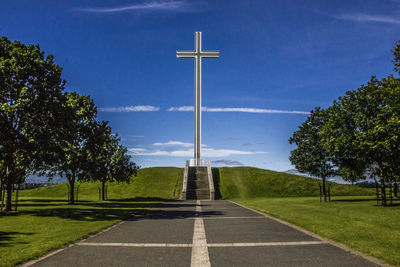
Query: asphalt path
202, 233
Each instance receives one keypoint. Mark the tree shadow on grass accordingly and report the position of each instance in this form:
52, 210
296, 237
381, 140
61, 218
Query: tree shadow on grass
6, 238
126, 205
47, 200
353, 200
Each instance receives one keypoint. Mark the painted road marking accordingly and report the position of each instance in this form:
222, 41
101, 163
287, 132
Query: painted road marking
266, 244
206, 245
144, 245
199, 250
244, 217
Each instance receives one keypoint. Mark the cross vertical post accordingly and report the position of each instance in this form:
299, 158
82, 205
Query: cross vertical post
198, 54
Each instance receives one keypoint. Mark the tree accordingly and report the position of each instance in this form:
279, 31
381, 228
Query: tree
102, 145
363, 130
30, 96
396, 53
122, 167
108, 159
310, 155
71, 155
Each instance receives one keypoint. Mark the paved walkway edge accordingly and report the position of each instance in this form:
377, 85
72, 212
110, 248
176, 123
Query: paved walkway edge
76, 242
333, 243
56, 251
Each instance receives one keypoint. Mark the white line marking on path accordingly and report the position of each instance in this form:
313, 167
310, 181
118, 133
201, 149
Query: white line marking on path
246, 217
200, 256
204, 245
145, 245
267, 244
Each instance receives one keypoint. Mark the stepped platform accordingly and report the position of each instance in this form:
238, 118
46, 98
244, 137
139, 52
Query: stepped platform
197, 184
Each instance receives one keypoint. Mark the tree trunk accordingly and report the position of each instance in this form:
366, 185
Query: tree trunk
9, 194
383, 192
324, 188
395, 189
103, 190
1, 195
72, 191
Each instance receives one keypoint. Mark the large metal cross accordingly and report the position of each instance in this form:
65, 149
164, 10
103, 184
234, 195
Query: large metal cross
197, 54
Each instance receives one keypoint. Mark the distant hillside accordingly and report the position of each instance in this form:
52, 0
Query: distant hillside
234, 182
158, 182
36, 179
248, 182
335, 179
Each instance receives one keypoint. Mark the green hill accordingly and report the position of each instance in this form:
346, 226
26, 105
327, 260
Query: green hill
157, 182
249, 182
233, 182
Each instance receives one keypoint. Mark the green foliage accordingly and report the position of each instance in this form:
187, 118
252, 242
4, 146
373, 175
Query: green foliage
108, 161
363, 129
359, 133
353, 221
71, 158
30, 100
247, 182
396, 53
45, 131
310, 156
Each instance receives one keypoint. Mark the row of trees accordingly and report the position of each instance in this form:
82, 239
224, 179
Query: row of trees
48, 131
358, 135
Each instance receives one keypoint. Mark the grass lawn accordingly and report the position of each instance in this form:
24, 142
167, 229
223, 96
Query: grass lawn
43, 224
157, 182
353, 221
248, 182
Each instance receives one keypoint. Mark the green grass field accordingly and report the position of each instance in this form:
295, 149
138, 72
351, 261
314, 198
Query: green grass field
248, 182
44, 221
353, 221
159, 182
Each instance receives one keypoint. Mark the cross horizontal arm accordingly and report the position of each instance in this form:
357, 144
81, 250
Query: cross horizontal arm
214, 54
183, 54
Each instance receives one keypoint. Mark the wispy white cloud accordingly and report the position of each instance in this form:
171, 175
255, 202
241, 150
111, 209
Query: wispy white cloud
129, 109
246, 110
133, 136
183, 108
159, 5
137, 150
173, 143
206, 152
366, 18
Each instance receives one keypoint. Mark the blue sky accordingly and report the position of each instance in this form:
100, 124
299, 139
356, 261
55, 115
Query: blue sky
278, 60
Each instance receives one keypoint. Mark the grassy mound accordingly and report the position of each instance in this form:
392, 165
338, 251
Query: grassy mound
158, 182
248, 182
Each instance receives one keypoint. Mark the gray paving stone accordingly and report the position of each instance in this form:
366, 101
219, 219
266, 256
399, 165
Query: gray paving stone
282, 256
251, 230
83, 256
